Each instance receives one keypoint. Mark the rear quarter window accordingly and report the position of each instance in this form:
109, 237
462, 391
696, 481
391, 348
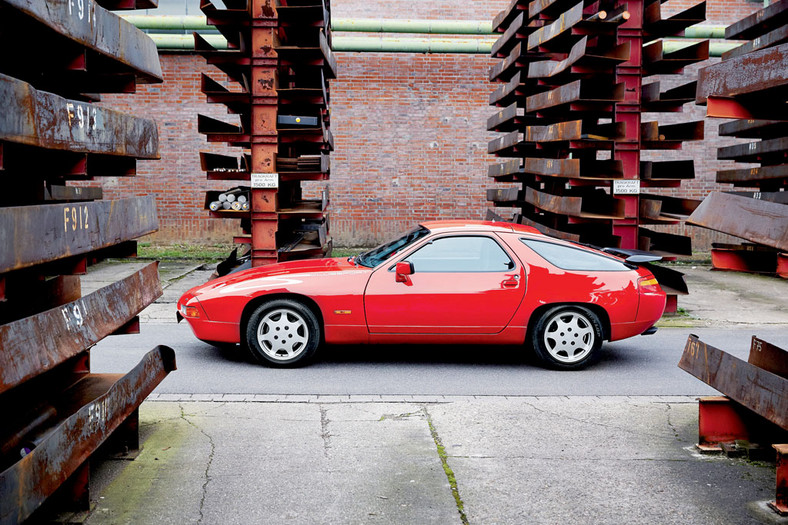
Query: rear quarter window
577, 259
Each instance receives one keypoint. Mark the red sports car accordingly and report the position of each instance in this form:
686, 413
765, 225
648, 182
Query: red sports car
456, 282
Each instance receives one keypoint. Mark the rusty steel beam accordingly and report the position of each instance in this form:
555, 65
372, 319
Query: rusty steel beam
655, 26
49, 121
573, 22
751, 258
663, 208
669, 136
588, 206
63, 332
747, 74
748, 177
754, 129
758, 23
755, 220
574, 168
582, 59
671, 100
771, 39
517, 30
658, 62
90, 25
32, 235
768, 357
98, 404
667, 170
772, 151
763, 392
505, 17
663, 243
579, 95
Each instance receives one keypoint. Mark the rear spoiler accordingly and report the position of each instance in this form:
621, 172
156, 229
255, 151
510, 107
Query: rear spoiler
671, 281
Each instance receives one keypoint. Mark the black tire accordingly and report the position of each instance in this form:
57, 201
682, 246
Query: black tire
283, 333
567, 337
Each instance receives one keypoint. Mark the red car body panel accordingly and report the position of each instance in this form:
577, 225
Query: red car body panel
367, 305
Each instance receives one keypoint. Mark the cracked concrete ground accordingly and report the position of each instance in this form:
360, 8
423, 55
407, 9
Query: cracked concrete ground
511, 460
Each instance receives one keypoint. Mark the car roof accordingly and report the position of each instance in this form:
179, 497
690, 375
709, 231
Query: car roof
486, 226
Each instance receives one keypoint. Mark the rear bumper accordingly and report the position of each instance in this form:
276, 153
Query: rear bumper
215, 331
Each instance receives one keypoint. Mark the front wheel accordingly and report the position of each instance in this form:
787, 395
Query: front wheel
567, 337
283, 333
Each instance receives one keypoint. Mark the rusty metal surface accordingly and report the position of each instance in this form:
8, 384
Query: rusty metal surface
764, 176
590, 206
582, 59
654, 100
658, 62
88, 24
578, 96
768, 357
755, 220
655, 25
49, 121
758, 23
61, 333
27, 483
31, 235
750, 73
773, 38
762, 392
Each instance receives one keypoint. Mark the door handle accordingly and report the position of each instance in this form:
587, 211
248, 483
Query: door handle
511, 282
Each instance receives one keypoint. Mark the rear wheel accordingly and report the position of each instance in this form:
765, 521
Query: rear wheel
283, 333
567, 337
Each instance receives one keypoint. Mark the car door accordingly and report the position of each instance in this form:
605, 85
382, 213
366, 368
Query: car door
461, 284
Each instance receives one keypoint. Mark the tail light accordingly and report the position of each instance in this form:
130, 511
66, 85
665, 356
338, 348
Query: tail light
648, 285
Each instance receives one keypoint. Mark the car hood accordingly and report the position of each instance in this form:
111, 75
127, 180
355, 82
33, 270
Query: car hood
279, 275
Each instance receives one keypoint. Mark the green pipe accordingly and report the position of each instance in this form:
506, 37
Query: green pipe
442, 27
412, 45
704, 32
184, 42
405, 45
716, 49
169, 22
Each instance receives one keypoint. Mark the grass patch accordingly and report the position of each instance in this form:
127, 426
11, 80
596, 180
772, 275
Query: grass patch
191, 251
447, 469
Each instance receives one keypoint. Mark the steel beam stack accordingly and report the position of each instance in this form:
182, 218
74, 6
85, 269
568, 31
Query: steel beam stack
572, 95
754, 408
59, 56
750, 84
278, 65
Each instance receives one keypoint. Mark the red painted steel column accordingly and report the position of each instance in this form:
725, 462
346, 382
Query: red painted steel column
628, 111
780, 505
264, 202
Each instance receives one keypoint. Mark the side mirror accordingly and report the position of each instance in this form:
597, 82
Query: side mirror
402, 271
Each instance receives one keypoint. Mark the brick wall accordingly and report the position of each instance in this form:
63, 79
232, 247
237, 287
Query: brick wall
409, 133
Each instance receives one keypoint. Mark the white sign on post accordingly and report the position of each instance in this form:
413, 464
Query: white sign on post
265, 181
626, 187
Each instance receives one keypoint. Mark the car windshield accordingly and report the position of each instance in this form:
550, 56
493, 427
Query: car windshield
377, 255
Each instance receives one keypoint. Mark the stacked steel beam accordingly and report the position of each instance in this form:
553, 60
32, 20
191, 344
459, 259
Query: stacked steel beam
572, 94
278, 62
750, 84
59, 56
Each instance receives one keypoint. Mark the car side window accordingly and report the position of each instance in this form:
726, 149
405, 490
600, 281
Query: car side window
576, 259
470, 253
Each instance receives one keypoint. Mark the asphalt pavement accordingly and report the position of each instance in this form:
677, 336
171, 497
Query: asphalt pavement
290, 452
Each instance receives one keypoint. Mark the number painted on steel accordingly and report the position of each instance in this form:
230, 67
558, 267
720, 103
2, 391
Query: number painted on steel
693, 348
81, 115
76, 218
82, 9
73, 317
97, 415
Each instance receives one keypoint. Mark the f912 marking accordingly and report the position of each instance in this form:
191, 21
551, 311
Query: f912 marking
76, 218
